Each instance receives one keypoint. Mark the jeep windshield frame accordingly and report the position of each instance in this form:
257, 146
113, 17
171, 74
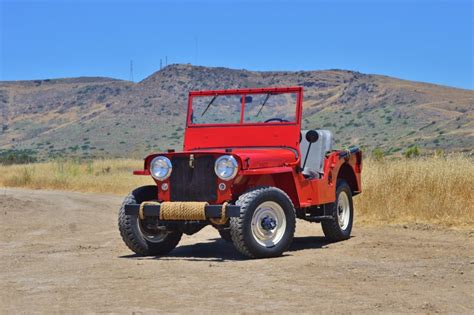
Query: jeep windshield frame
241, 104
242, 134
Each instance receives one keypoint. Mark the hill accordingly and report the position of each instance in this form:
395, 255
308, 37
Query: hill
95, 117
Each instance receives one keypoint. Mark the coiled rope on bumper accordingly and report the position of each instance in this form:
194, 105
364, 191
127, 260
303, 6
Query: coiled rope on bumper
223, 219
141, 215
183, 211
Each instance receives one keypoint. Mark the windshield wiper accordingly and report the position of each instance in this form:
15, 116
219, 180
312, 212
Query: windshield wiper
264, 102
208, 105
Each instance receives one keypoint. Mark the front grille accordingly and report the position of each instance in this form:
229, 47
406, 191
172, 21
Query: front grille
193, 184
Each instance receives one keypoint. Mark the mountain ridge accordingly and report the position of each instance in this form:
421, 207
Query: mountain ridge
100, 116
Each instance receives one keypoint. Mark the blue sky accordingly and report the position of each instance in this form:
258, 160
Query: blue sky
429, 41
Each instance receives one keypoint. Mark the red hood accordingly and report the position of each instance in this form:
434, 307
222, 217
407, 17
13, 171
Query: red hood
250, 158
263, 158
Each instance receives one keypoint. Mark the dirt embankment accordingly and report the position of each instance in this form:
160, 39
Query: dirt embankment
61, 252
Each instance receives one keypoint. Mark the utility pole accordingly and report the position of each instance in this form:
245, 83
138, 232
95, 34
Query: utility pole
131, 70
161, 63
166, 61
195, 50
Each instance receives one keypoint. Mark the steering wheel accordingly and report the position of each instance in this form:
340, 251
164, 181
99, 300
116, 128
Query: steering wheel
276, 119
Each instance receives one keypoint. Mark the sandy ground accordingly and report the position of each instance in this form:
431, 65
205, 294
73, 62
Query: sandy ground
61, 252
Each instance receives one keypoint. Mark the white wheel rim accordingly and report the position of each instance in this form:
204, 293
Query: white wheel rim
152, 238
343, 210
268, 224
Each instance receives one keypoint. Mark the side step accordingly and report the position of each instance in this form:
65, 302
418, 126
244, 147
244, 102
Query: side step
316, 214
318, 218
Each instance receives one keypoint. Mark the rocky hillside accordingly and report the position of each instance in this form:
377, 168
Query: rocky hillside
93, 117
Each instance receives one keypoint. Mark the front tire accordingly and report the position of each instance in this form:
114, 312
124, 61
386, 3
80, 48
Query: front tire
225, 235
136, 235
266, 224
339, 228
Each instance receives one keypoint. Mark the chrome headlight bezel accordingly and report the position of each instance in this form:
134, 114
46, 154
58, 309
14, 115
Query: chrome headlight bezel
165, 164
230, 161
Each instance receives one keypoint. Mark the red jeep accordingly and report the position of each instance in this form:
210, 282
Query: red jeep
247, 169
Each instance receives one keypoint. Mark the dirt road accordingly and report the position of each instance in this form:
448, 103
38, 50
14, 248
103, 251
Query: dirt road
61, 252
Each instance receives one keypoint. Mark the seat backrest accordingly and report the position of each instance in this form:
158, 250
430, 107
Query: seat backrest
315, 163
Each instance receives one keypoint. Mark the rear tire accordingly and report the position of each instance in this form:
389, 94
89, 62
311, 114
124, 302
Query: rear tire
134, 233
342, 210
266, 224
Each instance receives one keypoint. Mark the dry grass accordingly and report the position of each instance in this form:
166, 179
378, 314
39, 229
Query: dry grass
434, 190
110, 176
428, 190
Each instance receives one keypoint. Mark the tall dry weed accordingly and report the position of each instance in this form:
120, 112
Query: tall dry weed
424, 190
111, 176
436, 190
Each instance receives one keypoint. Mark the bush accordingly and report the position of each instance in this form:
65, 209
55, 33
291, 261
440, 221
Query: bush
9, 157
439, 153
412, 152
378, 154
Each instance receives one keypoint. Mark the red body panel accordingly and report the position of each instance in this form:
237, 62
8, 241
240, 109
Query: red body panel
248, 134
268, 155
232, 136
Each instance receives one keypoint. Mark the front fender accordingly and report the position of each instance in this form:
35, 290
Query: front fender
264, 171
283, 177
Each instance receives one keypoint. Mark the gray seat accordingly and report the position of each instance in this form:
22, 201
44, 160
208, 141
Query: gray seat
314, 167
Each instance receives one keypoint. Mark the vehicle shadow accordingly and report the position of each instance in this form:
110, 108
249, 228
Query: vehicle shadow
219, 250
308, 242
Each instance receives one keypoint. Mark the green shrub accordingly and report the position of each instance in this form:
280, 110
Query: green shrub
9, 157
378, 154
412, 152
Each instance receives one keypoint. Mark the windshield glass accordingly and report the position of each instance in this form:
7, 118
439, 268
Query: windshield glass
271, 107
220, 109
258, 108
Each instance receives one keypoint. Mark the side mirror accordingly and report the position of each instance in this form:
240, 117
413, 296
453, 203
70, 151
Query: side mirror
248, 99
312, 136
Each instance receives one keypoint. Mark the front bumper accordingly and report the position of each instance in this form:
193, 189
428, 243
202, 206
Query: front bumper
211, 211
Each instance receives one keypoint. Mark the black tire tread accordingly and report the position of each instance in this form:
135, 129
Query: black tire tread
129, 235
244, 202
331, 228
225, 235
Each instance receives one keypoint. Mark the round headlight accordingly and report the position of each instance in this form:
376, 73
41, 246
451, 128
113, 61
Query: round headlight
226, 167
160, 168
